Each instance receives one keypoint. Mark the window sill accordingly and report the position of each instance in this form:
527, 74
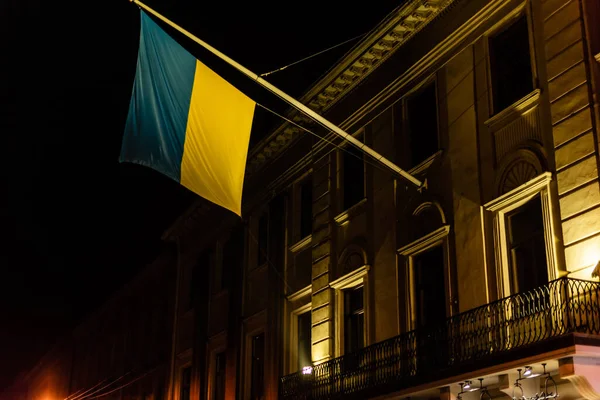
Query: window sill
423, 166
301, 244
345, 216
300, 294
514, 111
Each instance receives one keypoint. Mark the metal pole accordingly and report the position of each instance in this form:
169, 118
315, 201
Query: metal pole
290, 100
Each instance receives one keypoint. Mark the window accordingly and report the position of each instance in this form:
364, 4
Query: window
510, 65
523, 236
422, 124
233, 256
263, 237
306, 208
527, 246
186, 383
198, 276
257, 373
220, 370
304, 340
353, 175
354, 319
429, 286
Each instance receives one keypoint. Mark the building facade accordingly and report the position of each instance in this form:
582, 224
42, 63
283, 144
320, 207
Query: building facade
343, 279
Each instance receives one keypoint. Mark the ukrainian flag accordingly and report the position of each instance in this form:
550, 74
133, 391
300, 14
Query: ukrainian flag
187, 122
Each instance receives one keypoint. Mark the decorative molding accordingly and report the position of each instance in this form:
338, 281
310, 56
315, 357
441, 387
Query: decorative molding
300, 294
349, 279
425, 242
345, 216
301, 245
515, 110
517, 194
423, 166
399, 27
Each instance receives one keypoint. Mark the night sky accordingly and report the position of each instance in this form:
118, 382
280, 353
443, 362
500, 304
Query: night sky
75, 223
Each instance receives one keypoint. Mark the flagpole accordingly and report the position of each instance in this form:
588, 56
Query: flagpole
287, 98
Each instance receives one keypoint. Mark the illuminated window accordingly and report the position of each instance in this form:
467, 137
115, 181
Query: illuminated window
510, 64
186, 383
422, 124
219, 379
257, 372
353, 175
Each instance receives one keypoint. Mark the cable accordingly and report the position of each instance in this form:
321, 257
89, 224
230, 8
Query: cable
311, 56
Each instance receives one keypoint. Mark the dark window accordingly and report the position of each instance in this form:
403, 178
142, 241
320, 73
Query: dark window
527, 246
220, 368
354, 319
421, 109
302, 269
430, 289
306, 208
304, 344
354, 176
186, 383
199, 274
510, 63
263, 237
257, 383
233, 256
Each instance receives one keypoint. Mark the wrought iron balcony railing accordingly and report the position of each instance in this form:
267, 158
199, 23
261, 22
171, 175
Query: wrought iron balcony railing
562, 306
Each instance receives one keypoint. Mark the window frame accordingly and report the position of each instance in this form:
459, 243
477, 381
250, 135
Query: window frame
293, 337
524, 9
253, 326
499, 208
358, 277
423, 165
438, 237
217, 344
341, 171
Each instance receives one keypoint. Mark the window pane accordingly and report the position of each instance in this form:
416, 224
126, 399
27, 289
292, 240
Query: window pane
220, 368
263, 237
258, 368
304, 343
302, 269
430, 289
198, 275
423, 124
233, 255
306, 208
528, 246
510, 65
354, 176
354, 320
186, 382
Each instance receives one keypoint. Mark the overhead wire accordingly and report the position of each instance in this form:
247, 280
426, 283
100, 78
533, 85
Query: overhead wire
312, 55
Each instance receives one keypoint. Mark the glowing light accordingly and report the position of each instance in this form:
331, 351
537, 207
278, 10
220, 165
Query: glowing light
527, 371
307, 370
467, 385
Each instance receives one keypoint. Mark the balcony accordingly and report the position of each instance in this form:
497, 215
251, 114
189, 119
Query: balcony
532, 321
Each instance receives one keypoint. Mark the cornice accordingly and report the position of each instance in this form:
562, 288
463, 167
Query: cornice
383, 41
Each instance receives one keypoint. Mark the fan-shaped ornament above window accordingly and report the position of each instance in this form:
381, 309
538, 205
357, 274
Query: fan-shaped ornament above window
523, 167
427, 217
352, 258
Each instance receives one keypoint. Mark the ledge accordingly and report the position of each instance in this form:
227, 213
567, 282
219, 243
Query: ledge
301, 244
345, 216
515, 110
300, 294
423, 166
